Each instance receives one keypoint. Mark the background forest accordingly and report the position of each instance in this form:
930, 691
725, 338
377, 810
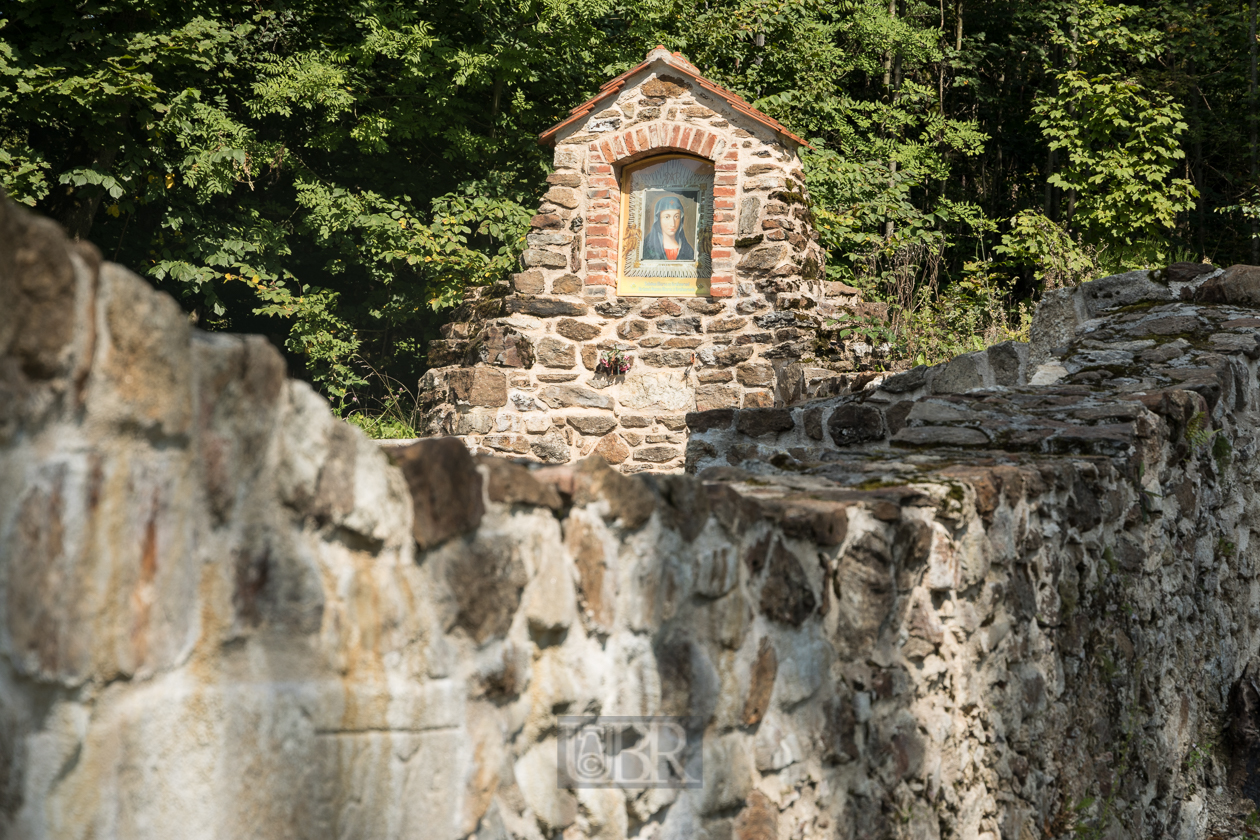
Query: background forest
333, 174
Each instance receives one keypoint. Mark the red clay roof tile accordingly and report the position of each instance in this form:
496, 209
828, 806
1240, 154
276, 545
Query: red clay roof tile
682, 65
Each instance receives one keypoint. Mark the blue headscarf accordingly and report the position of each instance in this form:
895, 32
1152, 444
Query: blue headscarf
654, 245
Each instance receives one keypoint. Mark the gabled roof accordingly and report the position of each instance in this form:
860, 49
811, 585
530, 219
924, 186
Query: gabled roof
683, 66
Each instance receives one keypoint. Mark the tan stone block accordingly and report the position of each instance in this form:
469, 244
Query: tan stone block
577, 330
544, 258
717, 396
507, 443
631, 330
596, 587
563, 196
756, 373
664, 306
725, 324
528, 282
554, 353
479, 386
612, 448
761, 683
537, 425
758, 399
710, 376
566, 284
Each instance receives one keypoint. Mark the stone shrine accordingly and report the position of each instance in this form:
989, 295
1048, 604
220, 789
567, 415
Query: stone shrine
668, 270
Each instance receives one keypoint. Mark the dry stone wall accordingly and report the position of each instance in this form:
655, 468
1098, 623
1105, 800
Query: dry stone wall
227, 614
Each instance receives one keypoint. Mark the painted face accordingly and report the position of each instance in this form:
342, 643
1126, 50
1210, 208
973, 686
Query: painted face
670, 221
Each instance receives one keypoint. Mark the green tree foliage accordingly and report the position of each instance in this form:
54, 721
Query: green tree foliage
334, 174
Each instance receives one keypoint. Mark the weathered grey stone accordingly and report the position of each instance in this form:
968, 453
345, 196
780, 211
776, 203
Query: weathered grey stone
543, 307
633, 329
592, 424
679, 326
662, 391
1007, 361
544, 258
553, 448
813, 423
543, 240
1058, 315
1123, 290
764, 421
764, 259
667, 358
549, 599
553, 353
749, 211
940, 436
786, 595
614, 309
569, 396
960, 374
474, 421
657, 454
854, 423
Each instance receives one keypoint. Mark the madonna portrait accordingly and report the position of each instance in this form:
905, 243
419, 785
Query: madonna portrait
667, 227
667, 240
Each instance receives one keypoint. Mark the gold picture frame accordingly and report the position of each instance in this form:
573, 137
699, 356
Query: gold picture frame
666, 232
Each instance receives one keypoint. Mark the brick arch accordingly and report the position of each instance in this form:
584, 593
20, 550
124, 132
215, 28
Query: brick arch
657, 137
603, 207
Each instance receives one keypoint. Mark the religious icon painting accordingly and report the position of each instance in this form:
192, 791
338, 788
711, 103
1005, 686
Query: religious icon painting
666, 228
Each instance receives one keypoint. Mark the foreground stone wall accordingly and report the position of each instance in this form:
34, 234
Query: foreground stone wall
227, 615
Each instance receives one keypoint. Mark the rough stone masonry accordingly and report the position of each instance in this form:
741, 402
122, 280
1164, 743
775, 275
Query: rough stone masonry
1011, 610
518, 368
